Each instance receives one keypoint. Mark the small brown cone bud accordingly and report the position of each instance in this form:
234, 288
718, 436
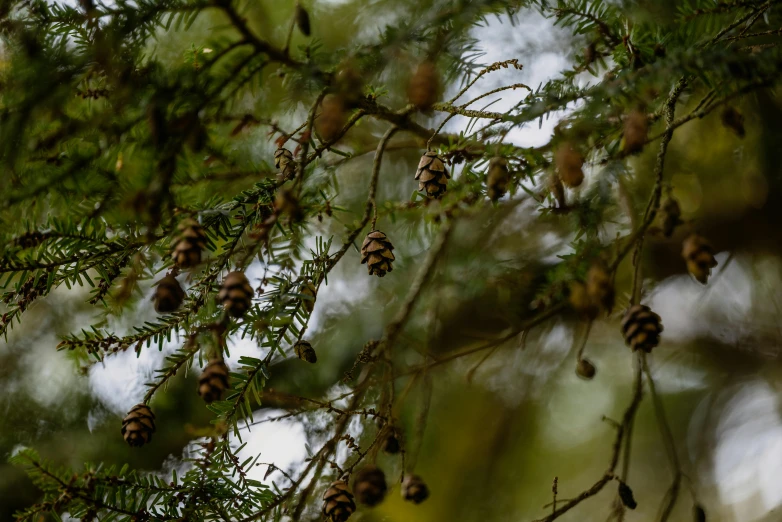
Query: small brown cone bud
698, 254
590, 53
370, 486
213, 381
734, 120
424, 88
332, 118
671, 215
283, 160
139, 425
585, 369
187, 247
641, 328
432, 175
168, 295
308, 289
338, 503
303, 20
414, 489
391, 443
377, 253
569, 163
498, 178
698, 513
626, 495
600, 287
581, 302
305, 351
236, 294
636, 128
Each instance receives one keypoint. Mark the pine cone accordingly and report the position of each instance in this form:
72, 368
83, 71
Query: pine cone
187, 248
626, 496
671, 216
286, 202
213, 381
498, 178
338, 502
349, 83
168, 295
414, 489
569, 162
432, 175
734, 120
585, 369
391, 443
599, 287
236, 294
283, 161
698, 513
308, 289
424, 88
303, 20
636, 128
699, 255
305, 351
332, 118
138, 426
377, 253
370, 486
641, 328
581, 302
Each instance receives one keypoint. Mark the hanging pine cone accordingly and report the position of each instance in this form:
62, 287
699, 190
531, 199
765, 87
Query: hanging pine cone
671, 216
332, 118
138, 426
303, 20
377, 253
432, 175
498, 178
213, 381
581, 302
569, 162
698, 513
626, 496
600, 287
338, 502
734, 120
305, 351
308, 289
236, 294
585, 369
414, 489
391, 443
424, 88
168, 295
641, 328
187, 247
370, 486
636, 128
349, 83
283, 161
699, 255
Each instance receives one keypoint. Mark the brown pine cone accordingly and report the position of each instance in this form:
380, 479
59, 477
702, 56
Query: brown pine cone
283, 161
585, 369
600, 287
286, 202
391, 443
699, 255
338, 502
187, 247
414, 489
138, 426
498, 179
305, 351
370, 486
349, 83
734, 120
641, 328
332, 118
213, 381
432, 175
168, 295
424, 88
569, 163
377, 253
671, 214
236, 294
636, 128
303, 20
308, 289
581, 302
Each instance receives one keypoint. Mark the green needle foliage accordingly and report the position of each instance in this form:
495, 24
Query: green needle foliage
119, 120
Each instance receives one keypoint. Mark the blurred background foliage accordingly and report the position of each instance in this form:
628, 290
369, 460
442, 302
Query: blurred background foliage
499, 429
